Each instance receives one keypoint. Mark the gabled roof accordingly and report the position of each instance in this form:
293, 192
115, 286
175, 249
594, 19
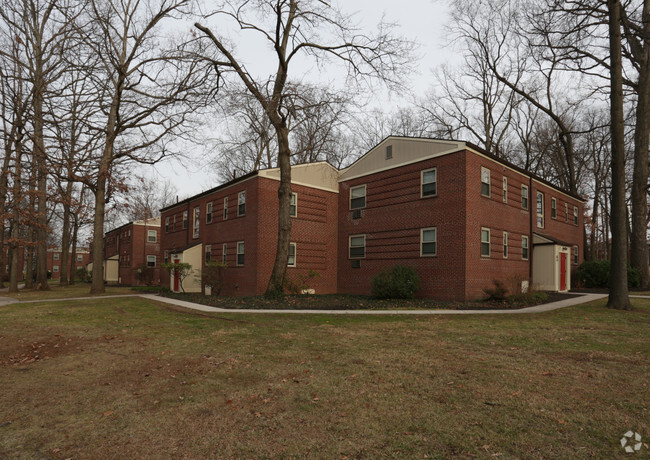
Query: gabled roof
420, 149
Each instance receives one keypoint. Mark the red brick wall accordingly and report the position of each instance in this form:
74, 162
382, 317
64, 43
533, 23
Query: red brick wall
394, 215
130, 244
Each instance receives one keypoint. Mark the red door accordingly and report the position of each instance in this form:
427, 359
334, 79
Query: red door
562, 271
176, 286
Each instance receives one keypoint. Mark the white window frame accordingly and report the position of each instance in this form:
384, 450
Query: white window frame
350, 256
566, 213
389, 152
539, 210
225, 208
149, 257
489, 246
224, 252
505, 189
240, 244
241, 201
525, 197
208, 213
576, 255
166, 256
435, 242
166, 224
186, 219
526, 247
293, 205
80, 258
56, 256
289, 263
196, 222
575, 216
55, 268
435, 182
208, 253
365, 196
486, 174
155, 236
553, 208
505, 245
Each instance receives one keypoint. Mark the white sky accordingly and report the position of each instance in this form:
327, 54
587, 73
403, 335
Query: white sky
420, 20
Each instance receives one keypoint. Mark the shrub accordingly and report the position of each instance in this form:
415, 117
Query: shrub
497, 293
180, 269
83, 275
595, 274
399, 283
212, 275
301, 282
145, 274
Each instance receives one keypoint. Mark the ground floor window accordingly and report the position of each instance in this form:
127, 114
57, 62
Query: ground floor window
485, 242
505, 245
357, 246
524, 247
292, 255
240, 253
575, 255
151, 261
208, 253
429, 241
224, 252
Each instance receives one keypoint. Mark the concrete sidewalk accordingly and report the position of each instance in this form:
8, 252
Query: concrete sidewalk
583, 298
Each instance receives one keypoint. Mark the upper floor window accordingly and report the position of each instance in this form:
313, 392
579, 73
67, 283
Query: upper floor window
566, 212
505, 189
166, 224
197, 216
292, 255
80, 258
185, 222
55, 268
524, 197
485, 242
575, 215
56, 256
540, 210
553, 208
208, 213
225, 208
152, 236
429, 182
429, 241
293, 207
524, 247
485, 182
241, 203
357, 246
358, 197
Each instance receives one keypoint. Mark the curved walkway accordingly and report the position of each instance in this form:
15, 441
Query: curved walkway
583, 298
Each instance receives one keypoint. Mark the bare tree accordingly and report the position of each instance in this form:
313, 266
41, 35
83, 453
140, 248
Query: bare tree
293, 28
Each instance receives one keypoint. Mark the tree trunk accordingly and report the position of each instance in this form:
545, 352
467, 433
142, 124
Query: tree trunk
638, 239
97, 286
65, 238
276, 283
618, 293
15, 231
73, 253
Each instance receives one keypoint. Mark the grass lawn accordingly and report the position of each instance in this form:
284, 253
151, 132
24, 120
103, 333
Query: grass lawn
131, 378
61, 292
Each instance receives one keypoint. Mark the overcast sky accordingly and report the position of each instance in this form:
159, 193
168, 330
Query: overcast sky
420, 20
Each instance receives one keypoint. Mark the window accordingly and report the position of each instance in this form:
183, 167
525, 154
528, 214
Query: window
575, 255
166, 256
225, 208
224, 252
208, 213
174, 224
524, 247
56, 256
292, 255
566, 213
208, 253
358, 247
55, 268
485, 182
524, 197
152, 236
185, 223
505, 245
505, 189
240, 253
79, 267
485, 242
197, 216
429, 181
389, 152
358, 197
575, 215
293, 207
80, 258
540, 210
429, 242
151, 261
553, 208
241, 203
166, 224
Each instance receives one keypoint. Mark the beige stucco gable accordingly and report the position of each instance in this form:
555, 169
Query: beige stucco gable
320, 175
393, 152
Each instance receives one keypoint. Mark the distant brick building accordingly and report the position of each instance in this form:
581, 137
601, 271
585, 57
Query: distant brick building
54, 260
461, 217
128, 247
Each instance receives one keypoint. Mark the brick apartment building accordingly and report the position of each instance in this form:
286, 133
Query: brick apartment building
237, 223
81, 259
461, 217
127, 247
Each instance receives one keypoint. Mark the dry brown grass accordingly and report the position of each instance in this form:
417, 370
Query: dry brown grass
57, 291
128, 378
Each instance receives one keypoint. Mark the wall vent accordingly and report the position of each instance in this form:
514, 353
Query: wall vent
356, 263
356, 214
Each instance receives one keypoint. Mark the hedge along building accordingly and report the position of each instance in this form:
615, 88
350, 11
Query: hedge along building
460, 216
237, 223
128, 249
